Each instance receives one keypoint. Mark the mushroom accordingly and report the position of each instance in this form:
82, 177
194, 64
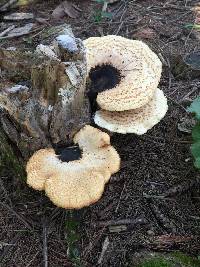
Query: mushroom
124, 73
75, 177
136, 121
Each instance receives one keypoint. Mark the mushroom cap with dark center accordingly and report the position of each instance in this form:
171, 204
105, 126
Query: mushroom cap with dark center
102, 78
139, 67
76, 183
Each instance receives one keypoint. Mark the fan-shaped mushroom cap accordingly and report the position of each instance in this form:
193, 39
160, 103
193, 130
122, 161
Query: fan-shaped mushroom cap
137, 121
76, 183
39, 168
139, 67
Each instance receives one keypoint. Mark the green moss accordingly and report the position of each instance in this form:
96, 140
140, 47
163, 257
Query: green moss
185, 260
72, 237
174, 259
156, 262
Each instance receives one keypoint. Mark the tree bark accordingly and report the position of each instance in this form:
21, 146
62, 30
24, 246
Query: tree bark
42, 94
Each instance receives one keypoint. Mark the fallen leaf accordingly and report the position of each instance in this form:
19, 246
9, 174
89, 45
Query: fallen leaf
66, 8
146, 33
193, 60
16, 32
71, 9
19, 16
58, 12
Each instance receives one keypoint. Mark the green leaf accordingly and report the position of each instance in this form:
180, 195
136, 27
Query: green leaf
195, 149
100, 1
195, 108
192, 26
197, 163
196, 132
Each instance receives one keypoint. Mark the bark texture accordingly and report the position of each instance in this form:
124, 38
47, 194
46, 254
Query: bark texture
42, 93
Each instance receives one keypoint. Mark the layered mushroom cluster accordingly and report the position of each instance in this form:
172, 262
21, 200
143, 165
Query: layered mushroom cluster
124, 75
74, 177
123, 79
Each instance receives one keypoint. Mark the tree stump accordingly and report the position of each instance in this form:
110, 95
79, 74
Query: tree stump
42, 94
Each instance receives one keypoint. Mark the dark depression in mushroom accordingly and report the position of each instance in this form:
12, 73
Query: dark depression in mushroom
102, 78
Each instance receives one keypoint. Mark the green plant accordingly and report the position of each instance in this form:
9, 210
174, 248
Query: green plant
156, 262
72, 237
185, 260
193, 26
195, 147
174, 259
100, 14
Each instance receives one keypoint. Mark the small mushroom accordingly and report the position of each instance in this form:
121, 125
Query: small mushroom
137, 121
75, 177
124, 73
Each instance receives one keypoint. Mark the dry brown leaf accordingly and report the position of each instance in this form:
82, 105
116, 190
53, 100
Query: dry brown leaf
58, 12
66, 8
146, 33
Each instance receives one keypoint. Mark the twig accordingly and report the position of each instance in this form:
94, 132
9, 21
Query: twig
136, 221
8, 248
121, 20
7, 5
102, 213
7, 30
93, 243
120, 197
5, 192
176, 103
166, 242
181, 188
104, 248
188, 94
20, 217
161, 219
45, 246
30, 262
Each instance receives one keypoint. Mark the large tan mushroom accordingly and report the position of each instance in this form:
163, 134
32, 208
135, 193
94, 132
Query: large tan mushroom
137, 121
76, 177
125, 73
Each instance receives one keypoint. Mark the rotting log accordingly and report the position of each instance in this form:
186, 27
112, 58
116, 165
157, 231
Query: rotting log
42, 94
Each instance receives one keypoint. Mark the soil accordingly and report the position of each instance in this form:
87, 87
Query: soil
152, 203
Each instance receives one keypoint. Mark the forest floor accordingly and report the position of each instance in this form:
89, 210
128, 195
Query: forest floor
153, 202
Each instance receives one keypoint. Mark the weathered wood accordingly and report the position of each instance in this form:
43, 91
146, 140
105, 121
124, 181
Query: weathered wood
42, 93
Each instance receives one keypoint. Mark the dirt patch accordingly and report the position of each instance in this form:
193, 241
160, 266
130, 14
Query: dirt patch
152, 165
